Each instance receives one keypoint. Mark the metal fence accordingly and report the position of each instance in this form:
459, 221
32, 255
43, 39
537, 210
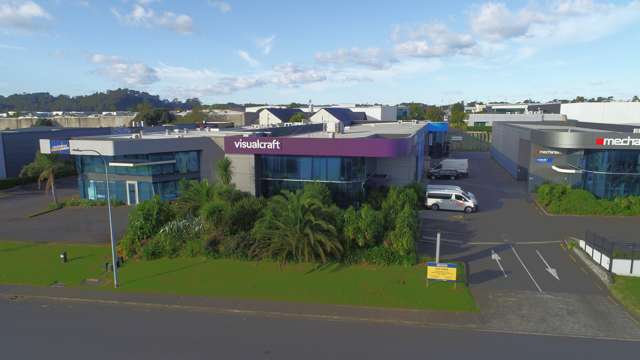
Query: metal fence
617, 258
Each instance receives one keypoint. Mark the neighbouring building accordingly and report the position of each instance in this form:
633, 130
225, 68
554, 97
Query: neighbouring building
491, 118
264, 160
603, 112
334, 118
276, 116
18, 147
601, 158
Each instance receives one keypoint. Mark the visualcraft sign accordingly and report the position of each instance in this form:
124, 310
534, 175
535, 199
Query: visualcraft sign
628, 141
318, 146
257, 144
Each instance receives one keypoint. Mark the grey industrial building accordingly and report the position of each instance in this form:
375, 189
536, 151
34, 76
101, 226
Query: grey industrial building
601, 158
18, 147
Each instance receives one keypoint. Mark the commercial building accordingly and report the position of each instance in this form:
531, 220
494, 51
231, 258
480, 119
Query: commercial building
603, 112
264, 160
276, 116
490, 119
18, 147
601, 158
375, 112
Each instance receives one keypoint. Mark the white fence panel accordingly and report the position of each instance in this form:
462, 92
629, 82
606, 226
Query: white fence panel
605, 261
621, 266
597, 256
589, 250
582, 244
636, 268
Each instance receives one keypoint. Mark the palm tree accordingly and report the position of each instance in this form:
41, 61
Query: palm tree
194, 194
296, 228
45, 167
224, 171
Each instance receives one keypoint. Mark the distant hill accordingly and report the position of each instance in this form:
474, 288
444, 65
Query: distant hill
111, 100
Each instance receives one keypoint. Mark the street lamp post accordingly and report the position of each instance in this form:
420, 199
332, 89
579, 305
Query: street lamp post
113, 241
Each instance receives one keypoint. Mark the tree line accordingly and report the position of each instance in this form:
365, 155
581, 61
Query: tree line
110, 100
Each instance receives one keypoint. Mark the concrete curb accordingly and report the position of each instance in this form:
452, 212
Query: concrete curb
599, 272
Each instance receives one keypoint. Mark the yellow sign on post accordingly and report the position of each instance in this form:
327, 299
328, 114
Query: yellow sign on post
442, 271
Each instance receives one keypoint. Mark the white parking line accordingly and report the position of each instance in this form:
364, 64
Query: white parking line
527, 270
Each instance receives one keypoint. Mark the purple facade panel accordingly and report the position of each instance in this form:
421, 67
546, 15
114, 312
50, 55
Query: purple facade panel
345, 147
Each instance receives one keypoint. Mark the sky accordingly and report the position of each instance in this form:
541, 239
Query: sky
324, 51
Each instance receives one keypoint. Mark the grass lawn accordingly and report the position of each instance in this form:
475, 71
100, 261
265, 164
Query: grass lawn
627, 291
389, 286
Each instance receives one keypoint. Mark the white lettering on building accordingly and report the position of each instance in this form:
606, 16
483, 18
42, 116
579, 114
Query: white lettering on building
628, 141
257, 144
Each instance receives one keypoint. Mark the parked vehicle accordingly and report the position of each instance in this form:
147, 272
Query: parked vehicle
450, 168
447, 197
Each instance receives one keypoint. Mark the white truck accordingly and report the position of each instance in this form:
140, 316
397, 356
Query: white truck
450, 168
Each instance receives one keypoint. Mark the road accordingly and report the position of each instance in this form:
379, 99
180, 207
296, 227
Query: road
62, 330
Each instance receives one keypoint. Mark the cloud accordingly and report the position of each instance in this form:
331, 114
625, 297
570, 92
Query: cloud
22, 15
564, 21
371, 57
431, 40
124, 72
11, 47
265, 44
292, 75
222, 6
142, 15
246, 57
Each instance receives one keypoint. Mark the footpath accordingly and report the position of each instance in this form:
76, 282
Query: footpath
489, 319
444, 319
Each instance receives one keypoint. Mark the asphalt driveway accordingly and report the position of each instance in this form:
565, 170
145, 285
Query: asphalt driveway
74, 225
520, 271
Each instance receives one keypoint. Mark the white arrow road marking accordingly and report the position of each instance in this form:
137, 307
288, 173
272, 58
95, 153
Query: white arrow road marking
527, 270
497, 258
549, 269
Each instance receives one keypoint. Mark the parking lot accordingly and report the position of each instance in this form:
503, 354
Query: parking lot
74, 225
520, 270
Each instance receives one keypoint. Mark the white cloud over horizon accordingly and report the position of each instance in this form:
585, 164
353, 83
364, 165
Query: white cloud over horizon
22, 15
143, 15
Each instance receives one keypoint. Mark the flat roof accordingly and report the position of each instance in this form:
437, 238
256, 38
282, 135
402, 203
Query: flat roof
570, 126
556, 128
360, 130
364, 130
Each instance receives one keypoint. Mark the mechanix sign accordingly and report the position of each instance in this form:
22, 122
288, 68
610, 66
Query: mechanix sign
628, 141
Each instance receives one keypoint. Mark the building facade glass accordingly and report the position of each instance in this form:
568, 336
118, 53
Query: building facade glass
345, 176
611, 173
140, 182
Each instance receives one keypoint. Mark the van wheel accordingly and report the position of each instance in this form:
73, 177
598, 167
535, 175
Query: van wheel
468, 209
433, 177
435, 207
452, 177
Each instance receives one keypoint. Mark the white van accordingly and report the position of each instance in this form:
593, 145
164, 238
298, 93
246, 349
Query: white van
448, 197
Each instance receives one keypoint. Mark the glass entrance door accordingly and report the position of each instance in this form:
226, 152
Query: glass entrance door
132, 193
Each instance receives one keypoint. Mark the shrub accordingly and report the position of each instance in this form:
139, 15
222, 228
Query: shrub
145, 220
378, 255
561, 199
235, 246
402, 238
364, 227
